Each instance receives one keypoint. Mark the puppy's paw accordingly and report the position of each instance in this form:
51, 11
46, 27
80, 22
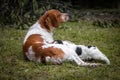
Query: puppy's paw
93, 65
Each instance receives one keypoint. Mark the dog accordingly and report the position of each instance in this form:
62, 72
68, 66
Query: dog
85, 52
38, 43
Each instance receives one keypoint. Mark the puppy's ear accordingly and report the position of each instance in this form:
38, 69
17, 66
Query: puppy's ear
78, 50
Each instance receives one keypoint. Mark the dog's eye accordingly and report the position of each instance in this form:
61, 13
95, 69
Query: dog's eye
89, 46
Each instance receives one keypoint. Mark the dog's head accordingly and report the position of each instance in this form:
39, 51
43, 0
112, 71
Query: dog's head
52, 19
93, 49
97, 54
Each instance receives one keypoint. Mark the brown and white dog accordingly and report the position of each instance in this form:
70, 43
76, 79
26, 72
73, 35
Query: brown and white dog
38, 43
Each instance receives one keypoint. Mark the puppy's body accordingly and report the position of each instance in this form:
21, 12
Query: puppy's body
85, 52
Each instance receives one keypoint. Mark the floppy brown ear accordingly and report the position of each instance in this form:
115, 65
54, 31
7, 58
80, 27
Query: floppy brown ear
51, 21
48, 21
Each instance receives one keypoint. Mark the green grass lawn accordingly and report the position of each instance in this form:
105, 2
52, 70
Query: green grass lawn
14, 67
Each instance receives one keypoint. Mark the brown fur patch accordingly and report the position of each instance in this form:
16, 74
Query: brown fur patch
51, 18
54, 53
32, 39
36, 42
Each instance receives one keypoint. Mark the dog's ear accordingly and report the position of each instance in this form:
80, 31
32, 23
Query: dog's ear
48, 21
78, 51
51, 21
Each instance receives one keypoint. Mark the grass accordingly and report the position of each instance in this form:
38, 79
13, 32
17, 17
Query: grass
14, 67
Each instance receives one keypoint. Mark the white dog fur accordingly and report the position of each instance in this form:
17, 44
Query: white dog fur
85, 52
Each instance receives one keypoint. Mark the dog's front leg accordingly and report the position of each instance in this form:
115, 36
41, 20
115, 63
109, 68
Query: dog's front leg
80, 62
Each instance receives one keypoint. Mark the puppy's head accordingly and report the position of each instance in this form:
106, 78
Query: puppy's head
97, 54
52, 19
93, 49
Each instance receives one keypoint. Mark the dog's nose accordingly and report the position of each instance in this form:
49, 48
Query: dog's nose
68, 14
65, 16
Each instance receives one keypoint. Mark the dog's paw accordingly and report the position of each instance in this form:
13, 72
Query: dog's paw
93, 65
56, 61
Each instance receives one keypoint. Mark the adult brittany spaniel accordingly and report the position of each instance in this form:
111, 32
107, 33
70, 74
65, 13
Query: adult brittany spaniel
38, 43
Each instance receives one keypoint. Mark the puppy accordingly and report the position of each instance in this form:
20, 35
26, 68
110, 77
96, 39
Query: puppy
85, 52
